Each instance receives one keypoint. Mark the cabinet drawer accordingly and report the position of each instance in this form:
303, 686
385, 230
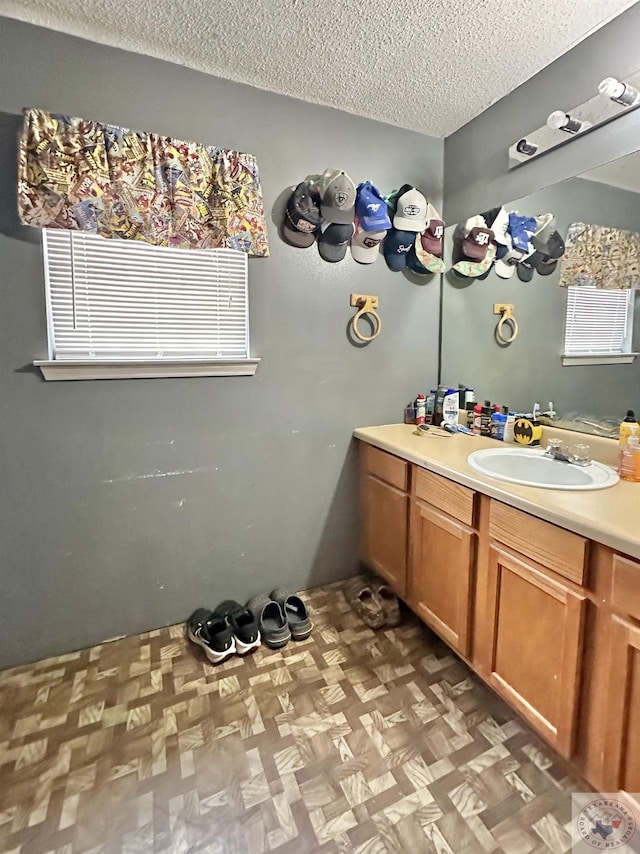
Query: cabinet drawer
386, 467
553, 547
456, 500
626, 586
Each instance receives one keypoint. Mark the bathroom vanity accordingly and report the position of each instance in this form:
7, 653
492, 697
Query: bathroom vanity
537, 590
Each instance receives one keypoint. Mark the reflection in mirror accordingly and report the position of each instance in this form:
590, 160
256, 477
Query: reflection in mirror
577, 328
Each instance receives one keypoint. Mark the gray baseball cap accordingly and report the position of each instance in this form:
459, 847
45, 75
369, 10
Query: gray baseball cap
333, 241
338, 198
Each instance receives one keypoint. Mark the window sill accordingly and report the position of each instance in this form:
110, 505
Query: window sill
127, 369
599, 359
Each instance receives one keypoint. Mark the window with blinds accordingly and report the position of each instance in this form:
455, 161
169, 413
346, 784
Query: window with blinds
129, 300
598, 322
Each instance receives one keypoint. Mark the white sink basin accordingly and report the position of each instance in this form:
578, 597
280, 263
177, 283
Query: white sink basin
530, 467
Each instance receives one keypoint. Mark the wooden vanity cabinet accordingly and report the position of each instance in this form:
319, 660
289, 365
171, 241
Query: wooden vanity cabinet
442, 557
550, 620
535, 612
622, 709
385, 515
535, 644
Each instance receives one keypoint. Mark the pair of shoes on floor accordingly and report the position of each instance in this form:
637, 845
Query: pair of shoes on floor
373, 601
227, 630
280, 617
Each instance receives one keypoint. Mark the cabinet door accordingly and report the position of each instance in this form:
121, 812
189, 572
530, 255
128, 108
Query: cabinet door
622, 755
385, 527
441, 566
536, 645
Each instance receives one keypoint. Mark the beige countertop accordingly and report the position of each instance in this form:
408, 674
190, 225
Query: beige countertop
609, 516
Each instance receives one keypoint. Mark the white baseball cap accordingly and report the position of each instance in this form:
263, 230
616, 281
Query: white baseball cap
500, 227
411, 211
505, 266
365, 245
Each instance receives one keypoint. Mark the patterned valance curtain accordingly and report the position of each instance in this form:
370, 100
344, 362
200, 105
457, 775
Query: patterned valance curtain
86, 176
608, 258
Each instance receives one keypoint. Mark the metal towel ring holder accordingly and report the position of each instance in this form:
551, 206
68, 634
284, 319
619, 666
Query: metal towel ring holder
367, 304
506, 312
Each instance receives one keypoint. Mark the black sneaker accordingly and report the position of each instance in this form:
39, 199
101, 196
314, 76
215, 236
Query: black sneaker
243, 625
213, 633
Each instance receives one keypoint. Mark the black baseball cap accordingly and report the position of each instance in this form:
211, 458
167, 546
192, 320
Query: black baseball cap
396, 248
302, 217
334, 241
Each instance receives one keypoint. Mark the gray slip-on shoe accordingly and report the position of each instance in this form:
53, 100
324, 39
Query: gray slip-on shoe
273, 626
296, 613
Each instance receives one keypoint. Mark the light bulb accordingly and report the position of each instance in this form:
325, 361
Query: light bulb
559, 120
619, 92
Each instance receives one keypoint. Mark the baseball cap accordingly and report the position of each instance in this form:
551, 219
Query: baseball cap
365, 244
371, 208
302, 216
333, 240
521, 229
476, 243
396, 247
338, 197
431, 237
392, 198
411, 211
554, 251
471, 268
506, 265
545, 226
421, 259
498, 221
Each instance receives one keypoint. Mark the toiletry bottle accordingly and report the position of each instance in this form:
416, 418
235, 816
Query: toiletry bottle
421, 409
477, 418
485, 418
438, 405
498, 423
431, 400
626, 427
469, 411
508, 427
469, 396
629, 468
461, 395
450, 406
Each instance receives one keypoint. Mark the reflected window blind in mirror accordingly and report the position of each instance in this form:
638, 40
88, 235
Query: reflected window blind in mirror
598, 321
124, 299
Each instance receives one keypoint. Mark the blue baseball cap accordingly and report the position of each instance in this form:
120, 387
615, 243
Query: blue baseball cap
396, 248
521, 229
371, 208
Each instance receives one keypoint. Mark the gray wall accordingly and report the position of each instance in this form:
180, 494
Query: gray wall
530, 369
476, 156
96, 539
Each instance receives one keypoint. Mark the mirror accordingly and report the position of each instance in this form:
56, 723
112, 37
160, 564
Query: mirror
587, 391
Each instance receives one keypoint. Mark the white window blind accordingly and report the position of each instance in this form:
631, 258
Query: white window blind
119, 299
598, 322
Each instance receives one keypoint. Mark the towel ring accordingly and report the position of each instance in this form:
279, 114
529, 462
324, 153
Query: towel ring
506, 312
367, 304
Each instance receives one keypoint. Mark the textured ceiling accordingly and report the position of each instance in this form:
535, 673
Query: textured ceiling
421, 64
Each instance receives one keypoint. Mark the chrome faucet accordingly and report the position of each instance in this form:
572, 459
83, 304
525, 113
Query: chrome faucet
577, 456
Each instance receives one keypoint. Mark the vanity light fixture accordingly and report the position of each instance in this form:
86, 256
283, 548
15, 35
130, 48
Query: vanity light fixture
559, 120
612, 98
619, 92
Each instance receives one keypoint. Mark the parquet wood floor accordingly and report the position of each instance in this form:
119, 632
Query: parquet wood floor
352, 741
